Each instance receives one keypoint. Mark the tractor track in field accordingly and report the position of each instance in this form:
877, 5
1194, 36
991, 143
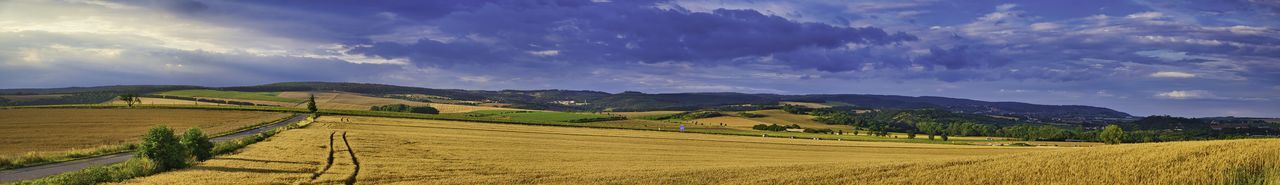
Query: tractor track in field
351, 179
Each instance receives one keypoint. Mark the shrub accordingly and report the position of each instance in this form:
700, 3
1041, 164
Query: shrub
750, 115
406, 108
199, 145
163, 148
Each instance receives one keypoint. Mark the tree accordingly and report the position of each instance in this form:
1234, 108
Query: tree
130, 99
163, 148
199, 145
1111, 135
311, 104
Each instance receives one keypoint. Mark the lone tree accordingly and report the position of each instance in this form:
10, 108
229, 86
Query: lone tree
311, 104
130, 99
163, 148
199, 145
1111, 135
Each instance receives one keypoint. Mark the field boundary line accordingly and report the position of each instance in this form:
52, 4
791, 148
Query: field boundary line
329, 162
351, 179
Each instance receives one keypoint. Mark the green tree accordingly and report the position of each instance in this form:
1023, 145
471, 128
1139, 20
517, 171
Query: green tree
311, 104
1111, 135
163, 148
130, 99
199, 145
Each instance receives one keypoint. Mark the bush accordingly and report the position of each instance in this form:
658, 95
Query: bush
163, 148
199, 145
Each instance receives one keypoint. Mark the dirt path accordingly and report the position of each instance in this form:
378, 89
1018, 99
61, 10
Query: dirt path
45, 170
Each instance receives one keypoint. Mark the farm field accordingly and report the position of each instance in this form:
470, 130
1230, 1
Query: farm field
352, 101
164, 101
412, 151
26, 98
232, 95
535, 115
24, 131
772, 116
805, 104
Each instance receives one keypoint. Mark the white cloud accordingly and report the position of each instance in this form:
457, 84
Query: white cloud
1186, 94
1145, 15
545, 53
1202, 95
1172, 74
1044, 26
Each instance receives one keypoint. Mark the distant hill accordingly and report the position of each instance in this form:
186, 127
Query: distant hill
578, 100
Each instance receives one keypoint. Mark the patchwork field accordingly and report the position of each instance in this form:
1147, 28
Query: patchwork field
351, 101
25, 131
405, 151
448, 152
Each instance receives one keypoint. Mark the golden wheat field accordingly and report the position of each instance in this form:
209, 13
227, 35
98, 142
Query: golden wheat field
446, 152
50, 130
406, 151
352, 101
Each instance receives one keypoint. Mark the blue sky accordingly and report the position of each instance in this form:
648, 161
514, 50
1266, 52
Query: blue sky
1185, 58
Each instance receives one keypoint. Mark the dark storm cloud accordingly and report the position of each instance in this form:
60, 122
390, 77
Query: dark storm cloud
598, 32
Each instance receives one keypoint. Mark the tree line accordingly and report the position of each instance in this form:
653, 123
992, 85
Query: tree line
940, 123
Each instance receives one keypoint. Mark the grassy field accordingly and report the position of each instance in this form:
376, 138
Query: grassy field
25, 131
404, 151
449, 152
232, 95
352, 101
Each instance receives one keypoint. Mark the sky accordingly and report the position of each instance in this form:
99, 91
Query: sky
1143, 57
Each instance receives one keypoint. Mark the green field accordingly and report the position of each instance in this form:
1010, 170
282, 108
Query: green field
263, 96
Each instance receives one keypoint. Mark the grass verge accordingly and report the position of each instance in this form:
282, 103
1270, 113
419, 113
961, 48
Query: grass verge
36, 159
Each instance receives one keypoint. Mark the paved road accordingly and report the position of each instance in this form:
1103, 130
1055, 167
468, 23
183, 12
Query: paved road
62, 167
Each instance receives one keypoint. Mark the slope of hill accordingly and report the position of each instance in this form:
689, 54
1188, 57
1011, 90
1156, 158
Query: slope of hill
574, 100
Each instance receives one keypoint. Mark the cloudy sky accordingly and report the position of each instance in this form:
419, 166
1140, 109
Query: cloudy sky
1144, 57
